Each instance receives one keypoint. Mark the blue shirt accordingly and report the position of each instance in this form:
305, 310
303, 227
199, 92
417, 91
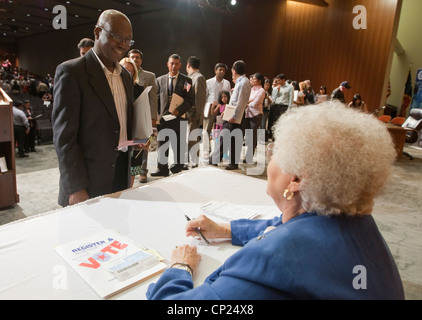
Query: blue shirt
308, 257
240, 97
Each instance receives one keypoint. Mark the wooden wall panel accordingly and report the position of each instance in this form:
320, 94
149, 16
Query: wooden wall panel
308, 42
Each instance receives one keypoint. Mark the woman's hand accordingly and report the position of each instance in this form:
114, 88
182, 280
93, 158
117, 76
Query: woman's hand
186, 254
208, 227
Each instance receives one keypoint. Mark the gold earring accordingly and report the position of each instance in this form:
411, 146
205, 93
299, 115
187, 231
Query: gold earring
288, 197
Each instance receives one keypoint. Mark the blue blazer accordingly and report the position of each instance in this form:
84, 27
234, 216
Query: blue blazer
308, 257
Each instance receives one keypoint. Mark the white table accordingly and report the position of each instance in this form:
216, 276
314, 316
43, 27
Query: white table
151, 215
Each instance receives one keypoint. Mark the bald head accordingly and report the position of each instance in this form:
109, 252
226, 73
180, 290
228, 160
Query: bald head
108, 17
113, 34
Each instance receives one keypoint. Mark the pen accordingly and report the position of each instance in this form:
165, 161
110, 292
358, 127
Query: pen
199, 232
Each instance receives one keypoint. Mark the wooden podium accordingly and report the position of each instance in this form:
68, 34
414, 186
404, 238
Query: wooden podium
8, 188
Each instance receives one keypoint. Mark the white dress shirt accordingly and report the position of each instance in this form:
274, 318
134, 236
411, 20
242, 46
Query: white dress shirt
117, 88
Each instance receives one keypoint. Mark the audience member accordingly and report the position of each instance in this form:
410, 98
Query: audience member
310, 93
322, 96
358, 104
84, 45
196, 114
215, 85
339, 92
30, 137
42, 88
93, 107
16, 88
47, 97
6, 87
301, 98
253, 115
282, 98
325, 229
266, 109
146, 79
21, 127
171, 83
239, 99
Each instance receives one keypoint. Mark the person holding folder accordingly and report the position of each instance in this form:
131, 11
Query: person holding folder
238, 102
175, 98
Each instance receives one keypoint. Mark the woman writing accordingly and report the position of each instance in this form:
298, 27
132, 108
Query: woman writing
325, 192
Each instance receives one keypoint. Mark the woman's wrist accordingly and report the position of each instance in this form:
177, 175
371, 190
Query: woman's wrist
183, 266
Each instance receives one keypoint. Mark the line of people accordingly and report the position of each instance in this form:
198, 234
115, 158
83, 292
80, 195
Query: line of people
255, 102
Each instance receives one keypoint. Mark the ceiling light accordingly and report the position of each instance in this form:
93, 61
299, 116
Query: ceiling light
233, 3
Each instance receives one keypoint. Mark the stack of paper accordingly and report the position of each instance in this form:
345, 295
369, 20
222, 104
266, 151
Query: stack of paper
228, 211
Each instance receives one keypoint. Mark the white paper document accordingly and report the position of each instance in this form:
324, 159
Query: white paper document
169, 117
229, 112
207, 109
110, 262
142, 123
228, 211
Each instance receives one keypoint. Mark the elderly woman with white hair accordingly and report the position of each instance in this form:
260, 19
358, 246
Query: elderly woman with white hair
328, 165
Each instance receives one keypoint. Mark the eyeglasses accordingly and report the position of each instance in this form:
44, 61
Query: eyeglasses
118, 37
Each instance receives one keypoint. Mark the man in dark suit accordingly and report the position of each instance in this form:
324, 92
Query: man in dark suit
93, 107
172, 83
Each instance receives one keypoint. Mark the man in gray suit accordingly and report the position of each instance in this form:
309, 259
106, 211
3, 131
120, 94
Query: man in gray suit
93, 107
196, 114
168, 84
146, 79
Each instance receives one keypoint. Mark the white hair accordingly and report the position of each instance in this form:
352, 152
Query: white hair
342, 156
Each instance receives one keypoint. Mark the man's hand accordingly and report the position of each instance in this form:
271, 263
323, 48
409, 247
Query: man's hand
77, 197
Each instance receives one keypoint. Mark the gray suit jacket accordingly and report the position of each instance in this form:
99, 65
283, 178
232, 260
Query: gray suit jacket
199, 85
183, 88
86, 127
147, 79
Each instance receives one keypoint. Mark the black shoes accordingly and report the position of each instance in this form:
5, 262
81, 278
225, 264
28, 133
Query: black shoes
232, 167
159, 174
213, 164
